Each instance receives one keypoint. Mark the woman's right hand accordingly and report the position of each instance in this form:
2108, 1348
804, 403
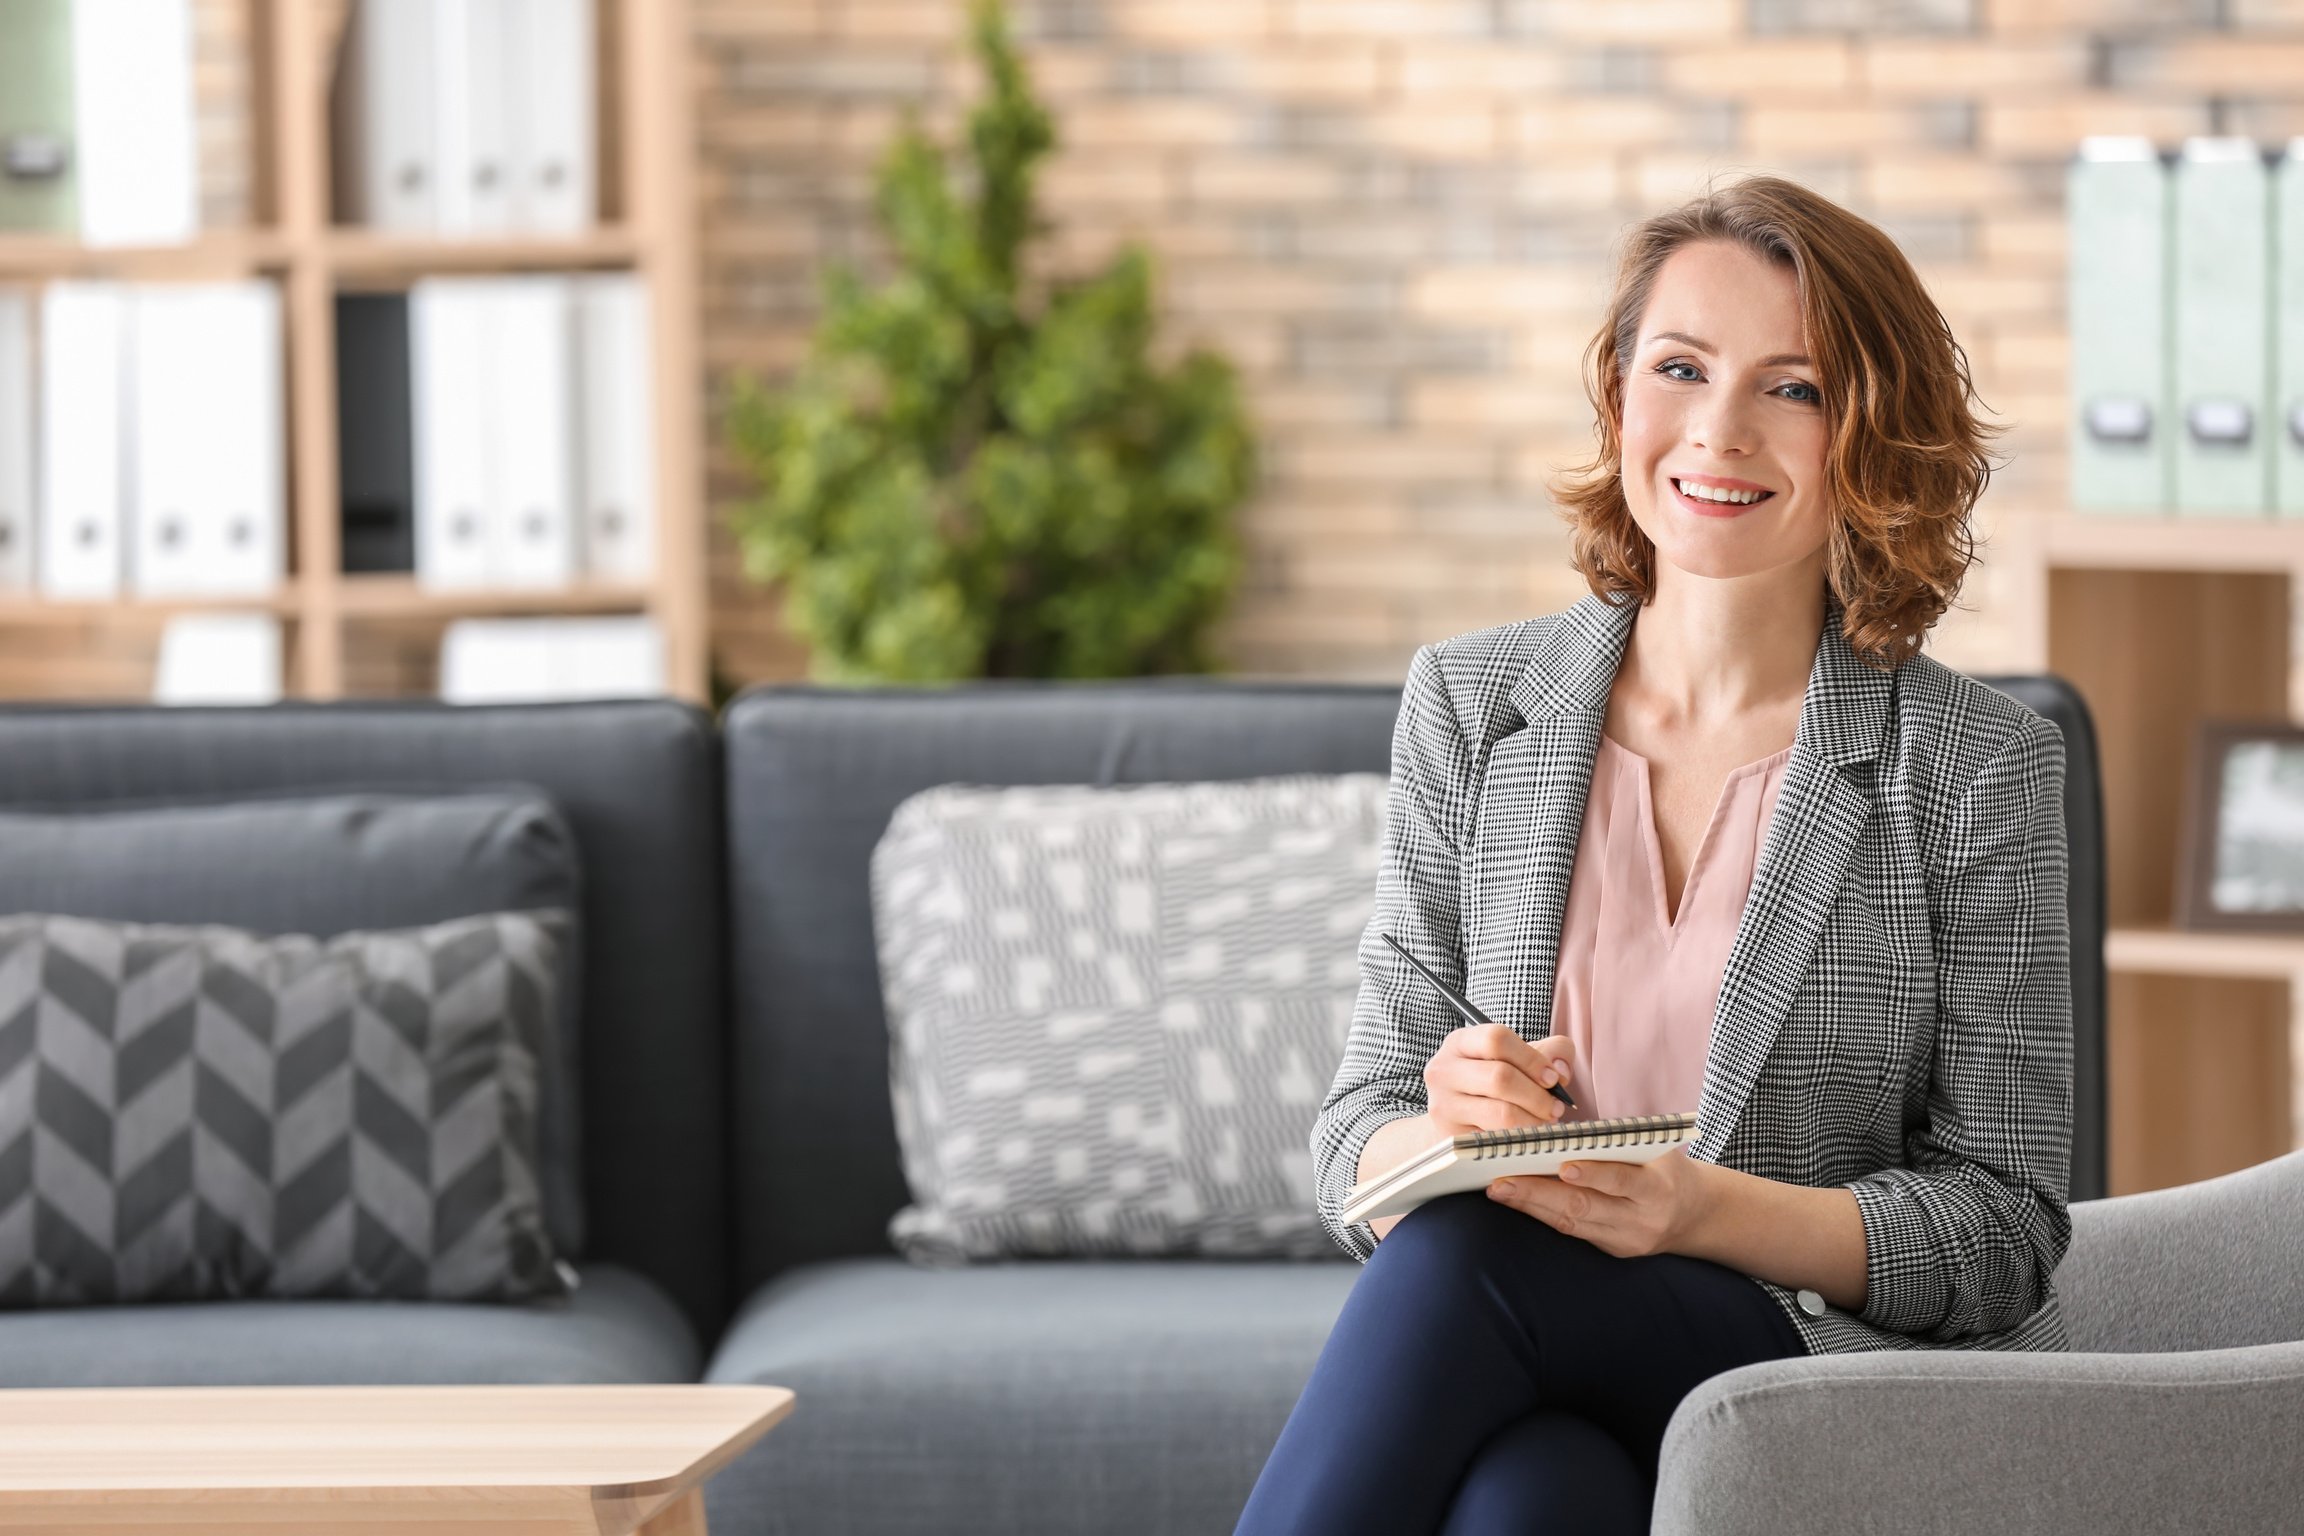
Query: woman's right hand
1486, 1078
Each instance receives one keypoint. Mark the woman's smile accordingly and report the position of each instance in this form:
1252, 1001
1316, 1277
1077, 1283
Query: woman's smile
1714, 496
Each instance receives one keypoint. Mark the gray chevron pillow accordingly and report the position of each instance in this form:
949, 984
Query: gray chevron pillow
1113, 1012
202, 1113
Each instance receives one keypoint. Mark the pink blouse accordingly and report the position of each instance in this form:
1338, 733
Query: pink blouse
1635, 991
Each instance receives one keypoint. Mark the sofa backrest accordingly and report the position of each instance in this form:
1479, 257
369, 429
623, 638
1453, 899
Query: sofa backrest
2214, 1264
638, 783
813, 776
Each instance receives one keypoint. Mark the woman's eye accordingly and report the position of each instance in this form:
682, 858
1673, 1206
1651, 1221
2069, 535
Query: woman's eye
1813, 395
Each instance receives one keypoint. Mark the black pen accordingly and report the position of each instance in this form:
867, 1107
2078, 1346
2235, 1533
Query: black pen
1463, 1005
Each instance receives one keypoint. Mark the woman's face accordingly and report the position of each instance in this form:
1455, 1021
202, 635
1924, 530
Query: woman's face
1720, 395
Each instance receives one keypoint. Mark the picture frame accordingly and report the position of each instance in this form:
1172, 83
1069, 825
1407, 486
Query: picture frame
2240, 844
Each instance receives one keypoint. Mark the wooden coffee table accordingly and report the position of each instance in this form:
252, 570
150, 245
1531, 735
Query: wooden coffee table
441, 1461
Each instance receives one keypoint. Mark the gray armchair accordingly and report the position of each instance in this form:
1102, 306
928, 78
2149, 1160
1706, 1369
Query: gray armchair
2181, 1406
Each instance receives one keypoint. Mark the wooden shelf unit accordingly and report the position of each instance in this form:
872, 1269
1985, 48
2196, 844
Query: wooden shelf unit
648, 227
2162, 622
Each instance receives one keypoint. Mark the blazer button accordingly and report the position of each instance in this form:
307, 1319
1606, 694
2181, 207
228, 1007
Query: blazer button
1811, 1303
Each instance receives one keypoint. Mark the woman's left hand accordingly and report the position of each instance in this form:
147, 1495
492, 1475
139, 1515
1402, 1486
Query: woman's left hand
1626, 1209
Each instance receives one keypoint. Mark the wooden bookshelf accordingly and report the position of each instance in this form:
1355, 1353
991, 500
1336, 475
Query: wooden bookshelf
2162, 622
647, 227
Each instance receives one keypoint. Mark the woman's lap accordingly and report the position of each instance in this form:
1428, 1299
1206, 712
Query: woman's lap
1472, 1317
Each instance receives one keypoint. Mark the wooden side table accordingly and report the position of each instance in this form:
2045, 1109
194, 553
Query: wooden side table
441, 1461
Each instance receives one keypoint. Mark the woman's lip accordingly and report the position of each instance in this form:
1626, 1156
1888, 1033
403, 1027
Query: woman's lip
1711, 508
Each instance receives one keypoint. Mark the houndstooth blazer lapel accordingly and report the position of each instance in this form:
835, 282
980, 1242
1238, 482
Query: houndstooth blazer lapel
1821, 810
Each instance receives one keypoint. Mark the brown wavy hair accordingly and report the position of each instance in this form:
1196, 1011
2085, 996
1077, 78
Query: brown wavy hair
1905, 460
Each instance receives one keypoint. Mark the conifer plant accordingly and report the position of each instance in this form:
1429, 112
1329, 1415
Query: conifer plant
980, 473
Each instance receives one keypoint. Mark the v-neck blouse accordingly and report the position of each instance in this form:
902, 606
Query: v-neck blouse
1634, 991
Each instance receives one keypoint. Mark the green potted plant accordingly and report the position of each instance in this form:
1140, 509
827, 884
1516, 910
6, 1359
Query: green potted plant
978, 475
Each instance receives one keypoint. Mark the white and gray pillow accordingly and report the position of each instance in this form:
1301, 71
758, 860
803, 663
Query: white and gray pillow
204, 1113
1113, 1012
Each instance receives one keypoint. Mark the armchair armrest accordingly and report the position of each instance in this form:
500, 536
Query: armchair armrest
1956, 1441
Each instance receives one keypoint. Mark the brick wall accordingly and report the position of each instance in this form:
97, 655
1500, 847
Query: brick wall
1397, 217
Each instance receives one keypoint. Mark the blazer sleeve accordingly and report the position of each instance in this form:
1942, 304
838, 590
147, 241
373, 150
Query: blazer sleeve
1397, 1019
1963, 1240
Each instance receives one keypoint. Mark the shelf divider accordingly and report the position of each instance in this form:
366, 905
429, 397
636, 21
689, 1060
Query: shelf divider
395, 596
2183, 952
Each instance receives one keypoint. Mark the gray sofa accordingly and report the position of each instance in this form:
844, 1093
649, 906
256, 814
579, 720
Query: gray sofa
741, 1163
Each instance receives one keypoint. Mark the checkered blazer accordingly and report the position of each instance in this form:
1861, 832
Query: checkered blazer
1895, 1015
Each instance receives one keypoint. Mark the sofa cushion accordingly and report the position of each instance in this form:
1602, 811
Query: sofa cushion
1113, 1011
1114, 1396
618, 1327
203, 1113
326, 864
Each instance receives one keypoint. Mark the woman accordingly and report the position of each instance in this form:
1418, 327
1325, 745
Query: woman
1717, 837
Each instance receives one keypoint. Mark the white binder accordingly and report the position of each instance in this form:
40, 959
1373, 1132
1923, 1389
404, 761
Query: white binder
614, 658
2117, 213
2223, 456
496, 661
219, 658
16, 482
387, 170
447, 352
2288, 367
207, 507
553, 162
83, 362
488, 71
524, 661
132, 107
617, 429
529, 391
453, 88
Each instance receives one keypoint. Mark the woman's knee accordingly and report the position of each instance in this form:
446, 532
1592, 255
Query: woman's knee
1550, 1471
1462, 1234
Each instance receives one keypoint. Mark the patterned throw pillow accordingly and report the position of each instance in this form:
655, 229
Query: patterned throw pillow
201, 1113
1113, 1012
326, 862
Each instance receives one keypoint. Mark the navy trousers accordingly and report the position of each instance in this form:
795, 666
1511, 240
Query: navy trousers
1489, 1374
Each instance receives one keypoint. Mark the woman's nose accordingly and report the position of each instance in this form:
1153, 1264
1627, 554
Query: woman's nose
1722, 425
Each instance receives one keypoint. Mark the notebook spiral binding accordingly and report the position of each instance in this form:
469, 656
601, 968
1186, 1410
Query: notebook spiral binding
1628, 1131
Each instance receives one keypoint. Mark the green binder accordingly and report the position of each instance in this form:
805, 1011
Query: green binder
2288, 390
2223, 359
2116, 201
37, 182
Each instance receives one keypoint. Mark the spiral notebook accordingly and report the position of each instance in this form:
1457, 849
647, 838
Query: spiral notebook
1468, 1162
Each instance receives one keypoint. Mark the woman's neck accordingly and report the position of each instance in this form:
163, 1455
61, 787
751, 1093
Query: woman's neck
1708, 652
